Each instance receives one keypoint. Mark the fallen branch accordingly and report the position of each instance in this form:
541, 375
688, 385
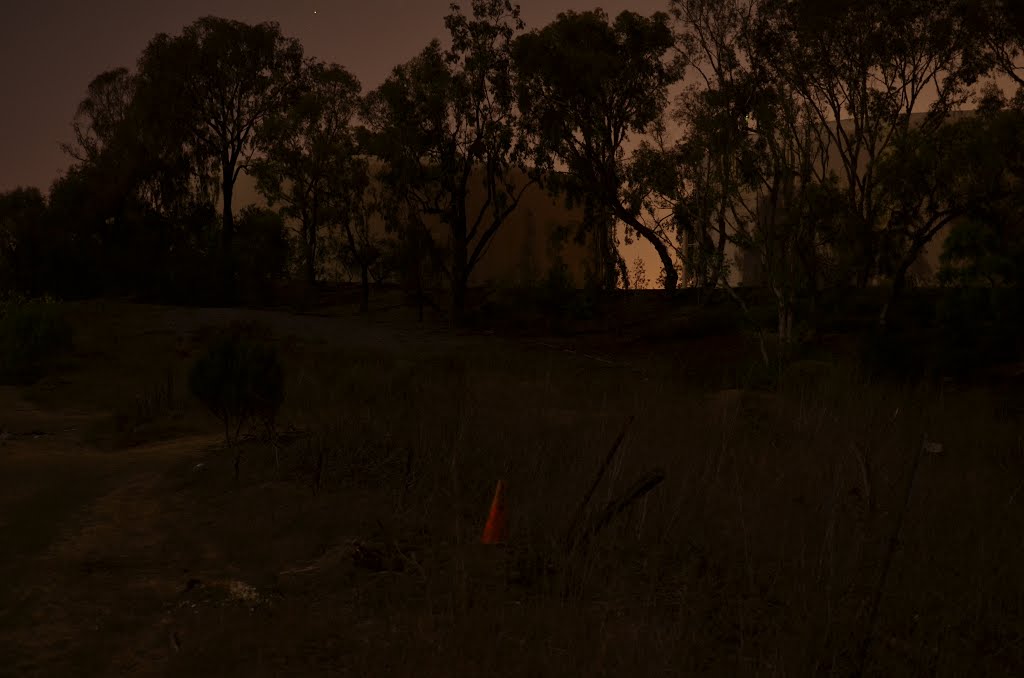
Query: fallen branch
572, 536
613, 508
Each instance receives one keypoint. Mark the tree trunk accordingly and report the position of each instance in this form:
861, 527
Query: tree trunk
867, 258
364, 301
671, 277
785, 327
309, 253
458, 301
719, 246
460, 272
227, 236
601, 229
899, 279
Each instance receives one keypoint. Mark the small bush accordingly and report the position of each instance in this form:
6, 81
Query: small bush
32, 332
240, 379
981, 327
558, 299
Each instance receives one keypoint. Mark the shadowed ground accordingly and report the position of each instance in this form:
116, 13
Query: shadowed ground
135, 552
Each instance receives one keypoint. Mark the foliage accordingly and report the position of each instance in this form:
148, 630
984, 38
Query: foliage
861, 70
355, 246
977, 253
981, 327
1001, 25
932, 181
32, 332
240, 379
584, 86
559, 299
262, 253
22, 213
310, 152
753, 157
213, 86
412, 256
444, 121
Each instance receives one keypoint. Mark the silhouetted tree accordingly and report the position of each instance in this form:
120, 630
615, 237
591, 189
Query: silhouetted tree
1001, 25
585, 86
262, 253
137, 182
986, 245
963, 169
23, 252
715, 115
448, 117
219, 80
309, 149
411, 252
862, 69
101, 116
357, 200
752, 157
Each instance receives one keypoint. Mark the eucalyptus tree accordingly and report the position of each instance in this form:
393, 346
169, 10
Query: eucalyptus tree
23, 252
862, 70
359, 248
219, 80
445, 125
715, 114
585, 85
968, 176
1001, 23
752, 159
102, 115
309, 150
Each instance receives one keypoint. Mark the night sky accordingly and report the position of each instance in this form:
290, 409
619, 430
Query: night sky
50, 50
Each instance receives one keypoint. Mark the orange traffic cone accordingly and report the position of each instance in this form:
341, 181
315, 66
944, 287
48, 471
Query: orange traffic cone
496, 529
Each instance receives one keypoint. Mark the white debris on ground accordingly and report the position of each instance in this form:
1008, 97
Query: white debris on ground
222, 592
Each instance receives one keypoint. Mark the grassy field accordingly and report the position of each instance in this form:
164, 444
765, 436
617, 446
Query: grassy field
829, 524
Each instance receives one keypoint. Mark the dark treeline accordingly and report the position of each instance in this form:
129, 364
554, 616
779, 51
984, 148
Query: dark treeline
749, 158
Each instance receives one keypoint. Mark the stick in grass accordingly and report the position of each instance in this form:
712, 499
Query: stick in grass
573, 527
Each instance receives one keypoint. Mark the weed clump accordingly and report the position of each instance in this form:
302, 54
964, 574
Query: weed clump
32, 332
240, 379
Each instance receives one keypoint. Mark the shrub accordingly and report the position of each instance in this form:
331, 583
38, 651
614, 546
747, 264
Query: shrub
560, 300
32, 332
240, 379
262, 252
980, 327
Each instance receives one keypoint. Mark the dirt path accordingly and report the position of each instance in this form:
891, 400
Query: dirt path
61, 506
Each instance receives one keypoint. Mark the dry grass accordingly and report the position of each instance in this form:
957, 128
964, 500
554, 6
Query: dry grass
760, 553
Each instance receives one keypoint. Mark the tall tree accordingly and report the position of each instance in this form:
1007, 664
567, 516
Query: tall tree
23, 252
585, 85
309, 150
754, 160
445, 121
970, 168
863, 69
1001, 23
714, 113
102, 115
359, 199
136, 181
106, 148
221, 79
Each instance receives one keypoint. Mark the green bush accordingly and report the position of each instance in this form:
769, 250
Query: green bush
981, 327
240, 379
560, 301
32, 332
262, 252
